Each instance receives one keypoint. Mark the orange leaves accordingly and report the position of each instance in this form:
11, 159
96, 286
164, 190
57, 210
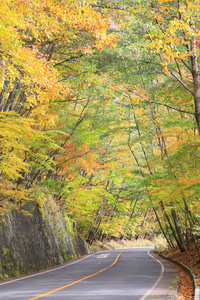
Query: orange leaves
74, 158
36, 22
87, 19
88, 161
29, 33
85, 50
176, 27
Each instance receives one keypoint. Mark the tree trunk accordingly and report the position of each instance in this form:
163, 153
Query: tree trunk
178, 230
162, 229
196, 84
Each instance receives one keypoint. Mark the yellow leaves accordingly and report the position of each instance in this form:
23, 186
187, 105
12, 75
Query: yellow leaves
175, 28
88, 162
156, 44
187, 182
74, 158
12, 165
8, 191
136, 100
30, 27
85, 50
166, 1
175, 189
9, 21
44, 118
163, 64
84, 18
15, 133
182, 56
166, 70
159, 17
139, 111
112, 165
171, 39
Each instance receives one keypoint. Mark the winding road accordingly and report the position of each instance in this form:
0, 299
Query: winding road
126, 274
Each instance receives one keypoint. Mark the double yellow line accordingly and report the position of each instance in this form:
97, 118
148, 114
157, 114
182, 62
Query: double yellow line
75, 282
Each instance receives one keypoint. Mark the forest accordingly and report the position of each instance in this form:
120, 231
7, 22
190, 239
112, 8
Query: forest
100, 112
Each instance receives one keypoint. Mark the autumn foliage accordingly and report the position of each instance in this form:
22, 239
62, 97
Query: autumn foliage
105, 118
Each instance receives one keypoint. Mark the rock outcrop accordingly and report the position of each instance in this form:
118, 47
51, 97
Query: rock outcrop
37, 239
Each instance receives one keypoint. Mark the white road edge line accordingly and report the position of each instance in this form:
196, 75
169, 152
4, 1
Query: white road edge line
43, 272
157, 281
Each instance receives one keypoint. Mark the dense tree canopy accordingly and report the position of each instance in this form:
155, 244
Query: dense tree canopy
100, 108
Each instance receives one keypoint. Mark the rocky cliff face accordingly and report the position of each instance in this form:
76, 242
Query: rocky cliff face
36, 240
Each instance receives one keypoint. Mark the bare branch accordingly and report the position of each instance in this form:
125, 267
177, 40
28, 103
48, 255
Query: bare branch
181, 82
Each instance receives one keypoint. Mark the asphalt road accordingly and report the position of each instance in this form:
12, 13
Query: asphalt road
126, 274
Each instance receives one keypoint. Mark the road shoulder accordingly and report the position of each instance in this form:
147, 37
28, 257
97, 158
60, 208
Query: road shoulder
168, 286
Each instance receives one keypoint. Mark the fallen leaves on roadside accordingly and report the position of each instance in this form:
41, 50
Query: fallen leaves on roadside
190, 259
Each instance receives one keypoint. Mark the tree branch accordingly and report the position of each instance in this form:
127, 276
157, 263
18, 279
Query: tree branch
162, 104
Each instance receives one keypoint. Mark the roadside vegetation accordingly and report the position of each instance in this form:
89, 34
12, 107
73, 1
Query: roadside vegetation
190, 259
100, 111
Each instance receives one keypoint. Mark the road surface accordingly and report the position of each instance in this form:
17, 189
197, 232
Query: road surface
126, 274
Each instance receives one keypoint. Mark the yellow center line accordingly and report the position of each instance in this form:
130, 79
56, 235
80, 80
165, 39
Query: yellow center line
65, 286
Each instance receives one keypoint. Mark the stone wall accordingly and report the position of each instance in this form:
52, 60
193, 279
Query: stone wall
33, 240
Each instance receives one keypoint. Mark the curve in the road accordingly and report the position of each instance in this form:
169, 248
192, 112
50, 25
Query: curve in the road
120, 274
157, 281
77, 281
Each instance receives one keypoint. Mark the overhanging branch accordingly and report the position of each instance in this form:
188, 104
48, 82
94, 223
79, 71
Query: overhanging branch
162, 104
